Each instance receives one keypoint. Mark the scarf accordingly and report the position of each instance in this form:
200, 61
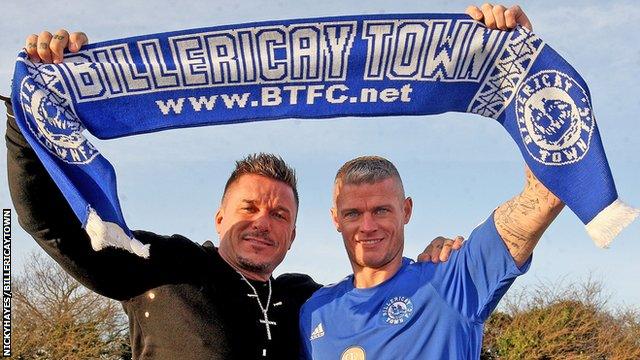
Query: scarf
373, 65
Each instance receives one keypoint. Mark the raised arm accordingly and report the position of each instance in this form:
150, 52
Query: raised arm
45, 214
522, 220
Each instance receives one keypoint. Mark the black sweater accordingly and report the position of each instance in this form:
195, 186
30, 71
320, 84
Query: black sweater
184, 302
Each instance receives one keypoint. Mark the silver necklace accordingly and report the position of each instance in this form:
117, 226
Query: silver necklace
264, 309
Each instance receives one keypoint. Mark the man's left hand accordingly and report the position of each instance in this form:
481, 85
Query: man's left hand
499, 17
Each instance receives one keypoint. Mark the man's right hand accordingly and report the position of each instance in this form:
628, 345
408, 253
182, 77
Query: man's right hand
49, 48
440, 249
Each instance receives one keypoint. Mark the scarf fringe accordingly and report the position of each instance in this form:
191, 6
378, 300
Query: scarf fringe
605, 226
104, 234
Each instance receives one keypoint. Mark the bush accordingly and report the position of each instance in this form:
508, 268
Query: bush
562, 322
54, 317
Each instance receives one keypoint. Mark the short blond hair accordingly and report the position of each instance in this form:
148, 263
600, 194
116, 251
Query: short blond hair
367, 170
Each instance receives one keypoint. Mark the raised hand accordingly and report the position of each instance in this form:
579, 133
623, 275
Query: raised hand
499, 17
49, 48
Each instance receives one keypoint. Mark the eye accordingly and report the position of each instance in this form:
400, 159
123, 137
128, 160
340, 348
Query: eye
248, 209
351, 214
280, 215
382, 211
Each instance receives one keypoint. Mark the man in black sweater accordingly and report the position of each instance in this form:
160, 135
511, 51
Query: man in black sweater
186, 301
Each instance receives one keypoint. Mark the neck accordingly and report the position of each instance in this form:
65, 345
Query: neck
252, 275
366, 277
247, 273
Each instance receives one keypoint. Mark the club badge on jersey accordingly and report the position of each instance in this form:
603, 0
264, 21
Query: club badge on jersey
396, 310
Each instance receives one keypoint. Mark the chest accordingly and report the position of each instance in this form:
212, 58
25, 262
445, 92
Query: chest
215, 320
398, 322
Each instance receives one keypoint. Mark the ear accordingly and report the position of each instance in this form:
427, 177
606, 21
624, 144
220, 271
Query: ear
407, 208
334, 217
218, 220
293, 237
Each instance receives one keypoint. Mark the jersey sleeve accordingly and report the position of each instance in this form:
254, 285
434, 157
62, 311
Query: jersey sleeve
45, 214
477, 276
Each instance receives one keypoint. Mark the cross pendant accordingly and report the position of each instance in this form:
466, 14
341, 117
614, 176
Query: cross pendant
266, 323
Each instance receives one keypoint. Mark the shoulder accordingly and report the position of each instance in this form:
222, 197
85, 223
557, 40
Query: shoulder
331, 291
417, 272
326, 295
296, 279
177, 240
301, 284
176, 248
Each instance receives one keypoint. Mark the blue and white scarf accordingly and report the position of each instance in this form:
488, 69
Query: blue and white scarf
410, 64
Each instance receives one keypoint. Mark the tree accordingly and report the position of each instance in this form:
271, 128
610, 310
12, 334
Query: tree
562, 322
54, 317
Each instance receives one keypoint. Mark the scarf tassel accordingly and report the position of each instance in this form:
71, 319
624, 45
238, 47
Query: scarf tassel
103, 234
605, 226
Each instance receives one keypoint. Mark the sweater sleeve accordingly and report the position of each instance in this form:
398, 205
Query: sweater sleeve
45, 214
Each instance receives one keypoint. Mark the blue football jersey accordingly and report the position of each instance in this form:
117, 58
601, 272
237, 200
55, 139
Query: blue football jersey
425, 311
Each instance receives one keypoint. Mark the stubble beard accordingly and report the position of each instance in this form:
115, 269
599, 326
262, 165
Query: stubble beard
251, 265
380, 263
254, 267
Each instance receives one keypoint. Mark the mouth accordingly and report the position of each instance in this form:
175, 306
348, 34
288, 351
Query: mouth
258, 240
369, 241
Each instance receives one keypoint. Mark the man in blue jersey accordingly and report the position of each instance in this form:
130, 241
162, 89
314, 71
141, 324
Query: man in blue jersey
393, 308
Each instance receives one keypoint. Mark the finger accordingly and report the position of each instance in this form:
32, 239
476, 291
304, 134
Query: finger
474, 12
424, 257
510, 18
457, 243
426, 253
31, 46
58, 44
77, 40
446, 250
435, 251
436, 248
498, 15
487, 13
44, 40
519, 16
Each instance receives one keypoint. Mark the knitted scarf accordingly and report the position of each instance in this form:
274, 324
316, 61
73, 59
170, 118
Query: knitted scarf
373, 65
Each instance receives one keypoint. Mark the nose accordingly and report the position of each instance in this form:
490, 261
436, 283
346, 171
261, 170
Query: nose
262, 221
368, 223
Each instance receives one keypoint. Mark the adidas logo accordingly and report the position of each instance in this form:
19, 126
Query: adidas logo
318, 332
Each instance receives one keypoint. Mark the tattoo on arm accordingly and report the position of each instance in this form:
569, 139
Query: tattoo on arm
522, 220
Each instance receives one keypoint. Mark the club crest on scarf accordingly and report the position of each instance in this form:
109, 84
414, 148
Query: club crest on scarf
554, 118
54, 126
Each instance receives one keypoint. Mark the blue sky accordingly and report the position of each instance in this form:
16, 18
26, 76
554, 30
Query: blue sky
457, 167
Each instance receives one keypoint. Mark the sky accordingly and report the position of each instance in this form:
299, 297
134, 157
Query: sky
456, 167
